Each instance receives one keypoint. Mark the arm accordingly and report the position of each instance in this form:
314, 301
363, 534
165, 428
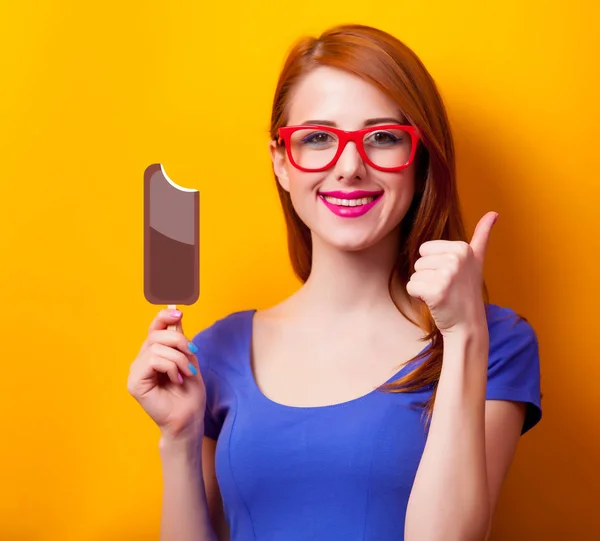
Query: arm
188, 488
213, 494
470, 444
468, 451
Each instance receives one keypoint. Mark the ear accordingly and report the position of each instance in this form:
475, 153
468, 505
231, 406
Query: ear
278, 159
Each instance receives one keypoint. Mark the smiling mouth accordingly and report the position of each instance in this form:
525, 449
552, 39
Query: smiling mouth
350, 204
357, 202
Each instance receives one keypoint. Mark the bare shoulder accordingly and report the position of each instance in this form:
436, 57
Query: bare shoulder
277, 320
278, 312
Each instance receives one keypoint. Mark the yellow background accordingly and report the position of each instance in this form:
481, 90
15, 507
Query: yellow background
93, 92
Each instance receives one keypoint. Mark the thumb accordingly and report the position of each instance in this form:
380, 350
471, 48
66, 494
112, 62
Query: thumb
177, 326
481, 236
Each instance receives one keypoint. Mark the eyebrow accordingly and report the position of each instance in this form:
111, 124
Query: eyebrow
368, 122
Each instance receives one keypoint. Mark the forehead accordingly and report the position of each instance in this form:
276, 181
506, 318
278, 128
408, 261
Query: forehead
335, 95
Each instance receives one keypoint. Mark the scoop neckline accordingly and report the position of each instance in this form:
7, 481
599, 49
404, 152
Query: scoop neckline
258, 391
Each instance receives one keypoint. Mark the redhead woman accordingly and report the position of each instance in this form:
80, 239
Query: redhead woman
385, 399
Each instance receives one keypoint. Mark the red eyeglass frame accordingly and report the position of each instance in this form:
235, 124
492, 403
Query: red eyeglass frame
356, 136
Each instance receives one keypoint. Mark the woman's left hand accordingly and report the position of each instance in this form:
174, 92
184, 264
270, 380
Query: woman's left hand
448, 278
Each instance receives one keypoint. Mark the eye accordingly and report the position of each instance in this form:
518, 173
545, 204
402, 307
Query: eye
318, 138
383, 138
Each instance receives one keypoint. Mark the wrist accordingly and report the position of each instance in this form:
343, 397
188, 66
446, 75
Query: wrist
474, 329
465, 358
183, 440
464, 371
467, 333
180, 452
471, 341
471, 326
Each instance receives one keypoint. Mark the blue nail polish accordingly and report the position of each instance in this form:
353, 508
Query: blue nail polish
192, 347
192, 369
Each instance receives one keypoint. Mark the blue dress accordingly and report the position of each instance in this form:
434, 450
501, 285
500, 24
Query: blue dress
340, 472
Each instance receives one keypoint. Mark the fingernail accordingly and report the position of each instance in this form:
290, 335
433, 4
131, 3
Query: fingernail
179, 377
175, 313
496, 218
192, 369
192, 347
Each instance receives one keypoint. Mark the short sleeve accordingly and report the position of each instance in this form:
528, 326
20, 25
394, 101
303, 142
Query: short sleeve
205, 344
514, 363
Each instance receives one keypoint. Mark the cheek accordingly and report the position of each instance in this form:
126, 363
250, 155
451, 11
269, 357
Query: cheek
403, 189
302, 186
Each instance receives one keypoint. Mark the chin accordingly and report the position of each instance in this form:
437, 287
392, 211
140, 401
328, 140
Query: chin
348, 241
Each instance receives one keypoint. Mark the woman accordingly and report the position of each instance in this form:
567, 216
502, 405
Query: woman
384, 400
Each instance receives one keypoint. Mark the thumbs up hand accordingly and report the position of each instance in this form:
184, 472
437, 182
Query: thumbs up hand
448, 278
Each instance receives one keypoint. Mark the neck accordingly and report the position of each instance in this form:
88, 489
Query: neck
343, 282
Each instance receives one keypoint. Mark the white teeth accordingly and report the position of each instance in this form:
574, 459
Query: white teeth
348, 202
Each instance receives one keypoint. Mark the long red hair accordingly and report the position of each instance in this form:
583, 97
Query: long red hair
388, 64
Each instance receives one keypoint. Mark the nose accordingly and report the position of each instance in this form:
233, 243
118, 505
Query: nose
350, 166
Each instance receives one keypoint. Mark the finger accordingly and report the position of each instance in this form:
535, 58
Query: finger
433, 262
164, 318
164, 366
440, 247
175, 356
425, 275
481, 236
173, 339
418, 289
178, 326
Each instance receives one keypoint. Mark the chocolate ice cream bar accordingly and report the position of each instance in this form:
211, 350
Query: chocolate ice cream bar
171, 240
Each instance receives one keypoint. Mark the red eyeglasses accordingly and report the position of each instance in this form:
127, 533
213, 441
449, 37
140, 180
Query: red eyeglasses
314, 148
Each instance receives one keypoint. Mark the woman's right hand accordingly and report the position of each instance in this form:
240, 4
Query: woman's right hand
165, 379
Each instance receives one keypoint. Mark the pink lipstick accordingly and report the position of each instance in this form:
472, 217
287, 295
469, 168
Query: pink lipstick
350, 204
